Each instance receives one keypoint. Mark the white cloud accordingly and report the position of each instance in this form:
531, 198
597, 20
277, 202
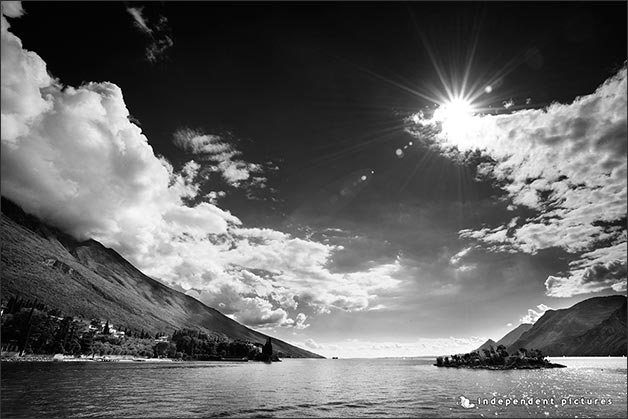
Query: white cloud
455, 259
534, 315
596, 271
213, 196
12, 8
222, 156
466, 268
299, 321
159, 34
139, 20
71, 156
568, 163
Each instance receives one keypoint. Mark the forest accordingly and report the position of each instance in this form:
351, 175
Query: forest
31, 328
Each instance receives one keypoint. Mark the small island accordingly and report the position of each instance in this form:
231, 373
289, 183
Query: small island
498, 359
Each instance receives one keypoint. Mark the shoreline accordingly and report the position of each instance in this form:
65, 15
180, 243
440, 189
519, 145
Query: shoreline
63, 358
108, 359
503, 368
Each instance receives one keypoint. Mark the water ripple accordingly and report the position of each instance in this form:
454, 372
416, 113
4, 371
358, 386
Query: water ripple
301, 388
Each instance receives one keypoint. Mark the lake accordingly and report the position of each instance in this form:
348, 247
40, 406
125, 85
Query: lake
311, 388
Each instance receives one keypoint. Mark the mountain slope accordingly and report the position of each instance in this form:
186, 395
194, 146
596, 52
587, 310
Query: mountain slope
512, 336
557, 331
88, 280
487, 345
607, 338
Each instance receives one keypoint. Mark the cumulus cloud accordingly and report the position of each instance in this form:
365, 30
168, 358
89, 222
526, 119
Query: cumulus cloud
159, 33
72, 156
221, 157
12, 8
289, 272
534, 315
567, 163
299, 321
596, 271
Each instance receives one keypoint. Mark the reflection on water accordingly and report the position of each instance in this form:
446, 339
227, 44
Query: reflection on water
323, 388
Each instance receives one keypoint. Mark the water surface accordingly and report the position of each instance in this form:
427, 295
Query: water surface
309, 388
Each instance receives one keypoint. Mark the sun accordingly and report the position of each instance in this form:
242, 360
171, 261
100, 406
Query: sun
456, 117
454, 111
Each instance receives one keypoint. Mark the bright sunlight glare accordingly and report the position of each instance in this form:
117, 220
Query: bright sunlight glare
457, 118
455, 111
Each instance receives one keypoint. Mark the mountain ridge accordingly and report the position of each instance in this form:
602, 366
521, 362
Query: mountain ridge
572, 331
487, 345
88, 280
512, 336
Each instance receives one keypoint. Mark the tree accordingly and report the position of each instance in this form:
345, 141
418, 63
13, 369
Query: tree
171, 352
105, 329
161, 349
27, 332
87, 341
501, 349
267, 351
74, 347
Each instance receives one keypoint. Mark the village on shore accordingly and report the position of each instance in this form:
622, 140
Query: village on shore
33, 332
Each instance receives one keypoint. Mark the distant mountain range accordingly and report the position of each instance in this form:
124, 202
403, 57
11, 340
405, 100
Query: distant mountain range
85, 279
593, 327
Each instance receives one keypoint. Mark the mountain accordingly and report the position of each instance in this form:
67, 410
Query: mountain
605, 339
512, 336
487, 345
596, 326
88, 280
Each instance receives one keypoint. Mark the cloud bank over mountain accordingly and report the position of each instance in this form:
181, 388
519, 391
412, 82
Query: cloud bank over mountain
73, 157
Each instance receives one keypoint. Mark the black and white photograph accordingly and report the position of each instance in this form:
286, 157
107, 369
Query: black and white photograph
313, 209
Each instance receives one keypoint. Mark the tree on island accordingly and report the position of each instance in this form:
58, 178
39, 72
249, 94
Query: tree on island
498, 359
501, 350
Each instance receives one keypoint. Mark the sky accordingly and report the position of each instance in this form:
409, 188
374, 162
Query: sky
359, 179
